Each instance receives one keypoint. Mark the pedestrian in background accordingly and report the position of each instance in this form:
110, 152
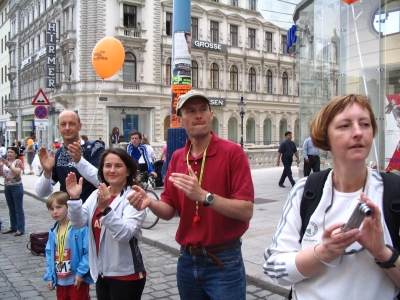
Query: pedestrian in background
210, 186
67, 253
3, 151
11, 168
150, 150
286, 151
115, 260
30, 155
311, 157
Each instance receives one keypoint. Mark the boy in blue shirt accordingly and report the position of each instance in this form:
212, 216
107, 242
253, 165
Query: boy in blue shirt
66, 253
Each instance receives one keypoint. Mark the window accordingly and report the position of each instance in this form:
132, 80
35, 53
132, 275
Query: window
234, 35
252, 80
252, 4
214, 31
387, 18
214, 76
268, 41
233, 76
129, 68
284, 44
130, 16
269, 82
195, 74
252, 38
168, 72
214, 0
235, 3
195, 28
285, 83
168, 24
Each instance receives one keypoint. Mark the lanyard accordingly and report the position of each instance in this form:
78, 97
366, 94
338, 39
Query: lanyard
61, 245
196, 218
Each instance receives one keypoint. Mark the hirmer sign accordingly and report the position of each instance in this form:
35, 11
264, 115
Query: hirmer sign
50, 54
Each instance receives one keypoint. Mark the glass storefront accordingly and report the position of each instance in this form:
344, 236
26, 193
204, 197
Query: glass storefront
353, 48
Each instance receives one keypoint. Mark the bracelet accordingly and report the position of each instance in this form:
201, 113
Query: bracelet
324, 262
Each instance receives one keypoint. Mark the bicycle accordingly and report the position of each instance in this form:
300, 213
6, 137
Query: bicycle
151, 219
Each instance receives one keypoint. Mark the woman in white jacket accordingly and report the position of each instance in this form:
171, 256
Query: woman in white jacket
331, 263
115, 261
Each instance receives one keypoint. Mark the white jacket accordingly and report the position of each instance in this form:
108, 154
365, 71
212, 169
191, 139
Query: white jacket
357, 277
119, 252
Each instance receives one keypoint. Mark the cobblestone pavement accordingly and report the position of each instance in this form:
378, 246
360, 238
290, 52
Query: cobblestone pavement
21, 273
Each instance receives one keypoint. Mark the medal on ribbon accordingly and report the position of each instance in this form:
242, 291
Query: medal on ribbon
61, 245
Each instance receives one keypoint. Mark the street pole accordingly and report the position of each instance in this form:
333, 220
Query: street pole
242, 112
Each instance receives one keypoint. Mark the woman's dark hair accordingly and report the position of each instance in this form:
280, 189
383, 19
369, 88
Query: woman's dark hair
130, 164
15, 149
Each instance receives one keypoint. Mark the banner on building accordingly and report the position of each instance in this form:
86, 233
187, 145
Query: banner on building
392, 133
11, 126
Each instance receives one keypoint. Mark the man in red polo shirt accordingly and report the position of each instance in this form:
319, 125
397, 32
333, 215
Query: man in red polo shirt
209, 185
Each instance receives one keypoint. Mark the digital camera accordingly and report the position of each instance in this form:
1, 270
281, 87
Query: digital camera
357, 210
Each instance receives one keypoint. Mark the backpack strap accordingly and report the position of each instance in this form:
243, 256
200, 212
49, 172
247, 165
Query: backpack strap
391, 205
311, 197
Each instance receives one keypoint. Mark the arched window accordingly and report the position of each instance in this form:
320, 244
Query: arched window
168, 71
285, 83
129, 68
251, 131
214, 76
233, 130
215, 125
269, 82
252, 79
282, 129
233, 78
195, 74
267, 132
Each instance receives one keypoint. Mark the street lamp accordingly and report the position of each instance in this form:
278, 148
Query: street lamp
242, 111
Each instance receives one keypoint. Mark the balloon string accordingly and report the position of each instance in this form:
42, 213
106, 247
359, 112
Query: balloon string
95, 110
359, 50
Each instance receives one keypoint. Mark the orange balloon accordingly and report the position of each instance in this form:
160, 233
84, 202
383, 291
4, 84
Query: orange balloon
30, 142
108, 57
350, 1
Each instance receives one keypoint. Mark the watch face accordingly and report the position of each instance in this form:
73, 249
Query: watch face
210, 198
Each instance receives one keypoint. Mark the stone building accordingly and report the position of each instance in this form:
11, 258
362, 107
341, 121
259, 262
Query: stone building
251, 63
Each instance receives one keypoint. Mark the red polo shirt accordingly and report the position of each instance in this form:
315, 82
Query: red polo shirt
226, 174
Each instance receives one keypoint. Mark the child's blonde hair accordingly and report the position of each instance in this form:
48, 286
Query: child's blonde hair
61, 198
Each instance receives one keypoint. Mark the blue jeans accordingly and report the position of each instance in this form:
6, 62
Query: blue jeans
287, 170
14, 197
198, 277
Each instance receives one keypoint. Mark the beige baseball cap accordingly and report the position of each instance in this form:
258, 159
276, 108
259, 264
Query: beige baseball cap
189, 95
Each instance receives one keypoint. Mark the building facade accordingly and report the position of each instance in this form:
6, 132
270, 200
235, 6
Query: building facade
248, 60
5, 135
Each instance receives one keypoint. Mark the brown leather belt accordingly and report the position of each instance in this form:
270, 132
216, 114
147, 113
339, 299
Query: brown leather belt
208, 251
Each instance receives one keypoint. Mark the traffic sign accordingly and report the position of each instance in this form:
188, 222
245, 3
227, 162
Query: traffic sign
41, 112
41, 124
40, 99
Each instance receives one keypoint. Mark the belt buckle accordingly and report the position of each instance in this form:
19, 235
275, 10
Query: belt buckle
190, 249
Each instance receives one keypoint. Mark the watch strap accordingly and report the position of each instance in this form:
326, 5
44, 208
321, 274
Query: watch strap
104, 212
391, 263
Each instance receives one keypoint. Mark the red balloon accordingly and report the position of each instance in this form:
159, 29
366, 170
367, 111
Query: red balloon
350, 1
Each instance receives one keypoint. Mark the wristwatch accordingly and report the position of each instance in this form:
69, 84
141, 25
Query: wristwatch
208, 200
104, 212
391, 263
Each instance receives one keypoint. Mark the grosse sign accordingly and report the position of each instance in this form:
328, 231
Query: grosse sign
209, 46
